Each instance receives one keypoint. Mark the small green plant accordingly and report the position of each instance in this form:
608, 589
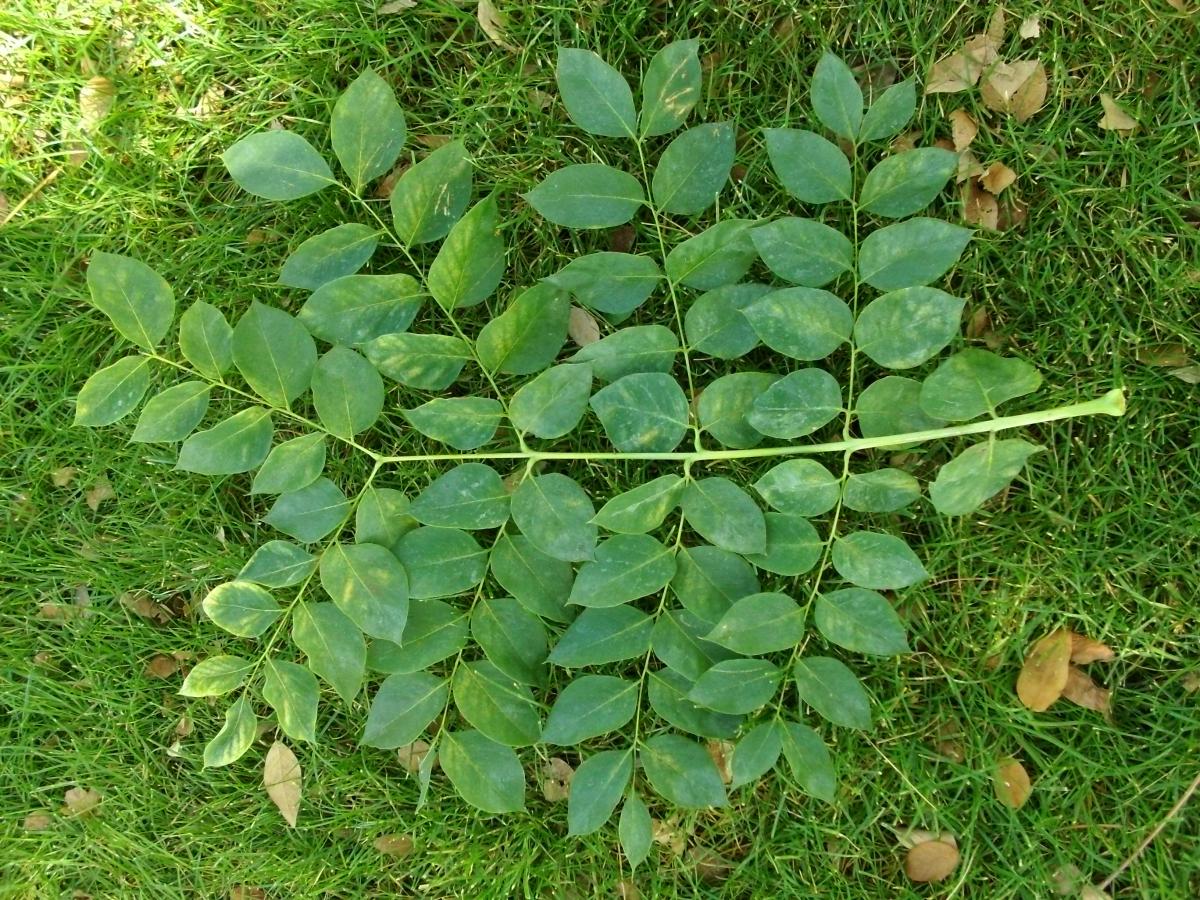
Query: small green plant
498, 608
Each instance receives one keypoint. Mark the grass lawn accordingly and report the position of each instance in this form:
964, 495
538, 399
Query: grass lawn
1100, 535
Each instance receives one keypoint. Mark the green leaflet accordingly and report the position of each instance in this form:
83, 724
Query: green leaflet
904, 328
693, 169
884, 490
726, 404
668, 694
275, 354
906, 183
432, 195
340, 251
292, 691
611, 283
760, 623
113, 392
809, 760
470, 496
708, 580
801, 487
382, 517
310, 513
241, 608
597, 97
912, 252
977, 474
878, 561
434, 631
836, 97
793, 546
797, 404
587, 195
430, 362
861, 621
682, 771
355, 309
670, 88
404, 706
678, 642
206, 340
551, 405
555, 514
626, 567
539, 582
833, 691
642, 509
800, 322
512, 638
755, 754
589, 706
334, 646
643, 412
290, 466
888, 115
216, 676
891, 405
714, 323
470, 263
235, 736
369, 585
527, 336
736, 686
278, 564
603, 635
173, 414
630, 351
137, 299
635, 830
723, 513
463, 423
973, 382
440, 562
803, 251
499, 706
367, 128
597, 786
721, 254
486, 774
347, 392
809, 167
277, 165
237, 444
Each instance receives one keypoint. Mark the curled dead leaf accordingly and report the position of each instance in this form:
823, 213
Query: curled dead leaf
96, 100
99, 492
669, 834
968, 167
162, 666
411, 756
995, 26
62, 477
963, 128
979, 206
395, 6
709, 864
931, 861
721, 753
1115, 118
1044, 674
997, 177
1012, 783
141, 605
38, 821
583, 327
1031, 27
1017, 88
78, 801
398, 845
282, 780
556, 779
959, 71
905, 142
1086, 650
493, 23
1082, 691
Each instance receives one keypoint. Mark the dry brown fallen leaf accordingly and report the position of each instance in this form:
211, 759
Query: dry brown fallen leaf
1082, 691
979, 207
493, 24
246, 892
931, 861
395, 6
162, 666
968, 167
1091, 892
38, 821
583, 327
997, 177
411, 756
62, 477
709, 864
721, 753
96, 100
1012, 783
556, 779
398, 845
963, 128
79, 801
627, 890
99, 492
1115, 118
1044, 674
995, 26
282, 780
1031, 27
1165, 355
1017, 88
141, 605
961, 70
1086, 650
669, 834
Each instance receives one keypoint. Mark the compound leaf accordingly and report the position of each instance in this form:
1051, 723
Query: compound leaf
904, 328
597, 97
977, 474
810, 168
334, 646
693, 169
587, 195
275, 354
643, 412
832, 690
137, 299
670, 88
877, 561
803, 251
463, 423
233, 445
470, 263
367, 128
277, 165
334, 253
906, 183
